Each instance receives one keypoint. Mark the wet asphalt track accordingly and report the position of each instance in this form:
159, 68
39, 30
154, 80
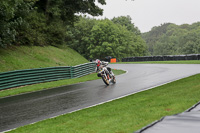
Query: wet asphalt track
28, 108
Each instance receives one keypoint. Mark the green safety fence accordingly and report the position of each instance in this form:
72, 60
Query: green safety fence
32, 76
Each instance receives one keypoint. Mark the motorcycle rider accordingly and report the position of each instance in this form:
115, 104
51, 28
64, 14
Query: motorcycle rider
101, 64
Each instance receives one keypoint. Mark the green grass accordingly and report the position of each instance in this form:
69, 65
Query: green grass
24, 57
126, 114
47, 85
163, 62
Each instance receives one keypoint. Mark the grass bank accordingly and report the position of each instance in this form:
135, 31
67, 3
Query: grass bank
163, 62
24, 57
47, 85
127, 114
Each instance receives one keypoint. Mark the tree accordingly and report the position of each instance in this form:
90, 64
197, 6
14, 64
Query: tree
171, 39
109, 39
67, 9
41, 22
154, 35
12, 14
191, 42
126, 21
78, 37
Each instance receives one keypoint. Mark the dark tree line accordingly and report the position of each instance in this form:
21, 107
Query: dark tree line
172, 39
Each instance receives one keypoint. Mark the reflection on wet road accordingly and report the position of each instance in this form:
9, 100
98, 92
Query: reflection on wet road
28, 108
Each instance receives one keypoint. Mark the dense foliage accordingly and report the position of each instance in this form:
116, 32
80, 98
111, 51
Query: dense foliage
100, 38
58, 22
171, 39
40, 22
12, 19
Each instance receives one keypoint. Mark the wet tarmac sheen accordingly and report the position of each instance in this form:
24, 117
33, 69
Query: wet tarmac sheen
28, 108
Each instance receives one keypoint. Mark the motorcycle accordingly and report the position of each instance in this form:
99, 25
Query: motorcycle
106, 74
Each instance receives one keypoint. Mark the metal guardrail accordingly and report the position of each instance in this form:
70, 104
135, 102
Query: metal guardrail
84, 69
162, 58
32, 76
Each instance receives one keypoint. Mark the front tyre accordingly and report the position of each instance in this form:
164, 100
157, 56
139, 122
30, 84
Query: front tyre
114, 80
105, 80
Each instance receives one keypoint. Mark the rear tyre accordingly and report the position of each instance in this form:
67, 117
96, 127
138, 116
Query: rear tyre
105, 80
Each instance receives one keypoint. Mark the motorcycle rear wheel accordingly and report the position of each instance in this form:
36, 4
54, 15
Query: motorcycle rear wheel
105, 80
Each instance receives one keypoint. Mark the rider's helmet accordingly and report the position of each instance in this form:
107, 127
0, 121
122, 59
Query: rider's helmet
98, 62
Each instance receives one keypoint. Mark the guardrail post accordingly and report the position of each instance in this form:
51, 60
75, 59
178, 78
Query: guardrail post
72, 72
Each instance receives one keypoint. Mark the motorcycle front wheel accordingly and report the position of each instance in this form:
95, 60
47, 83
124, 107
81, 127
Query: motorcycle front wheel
105, 80
114, 80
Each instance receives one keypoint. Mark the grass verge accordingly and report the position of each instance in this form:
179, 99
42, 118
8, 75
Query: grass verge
163, 62
41, 86
127, 114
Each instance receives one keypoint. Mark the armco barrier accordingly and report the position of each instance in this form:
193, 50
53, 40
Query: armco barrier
162, 58
84, 69
32, 76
